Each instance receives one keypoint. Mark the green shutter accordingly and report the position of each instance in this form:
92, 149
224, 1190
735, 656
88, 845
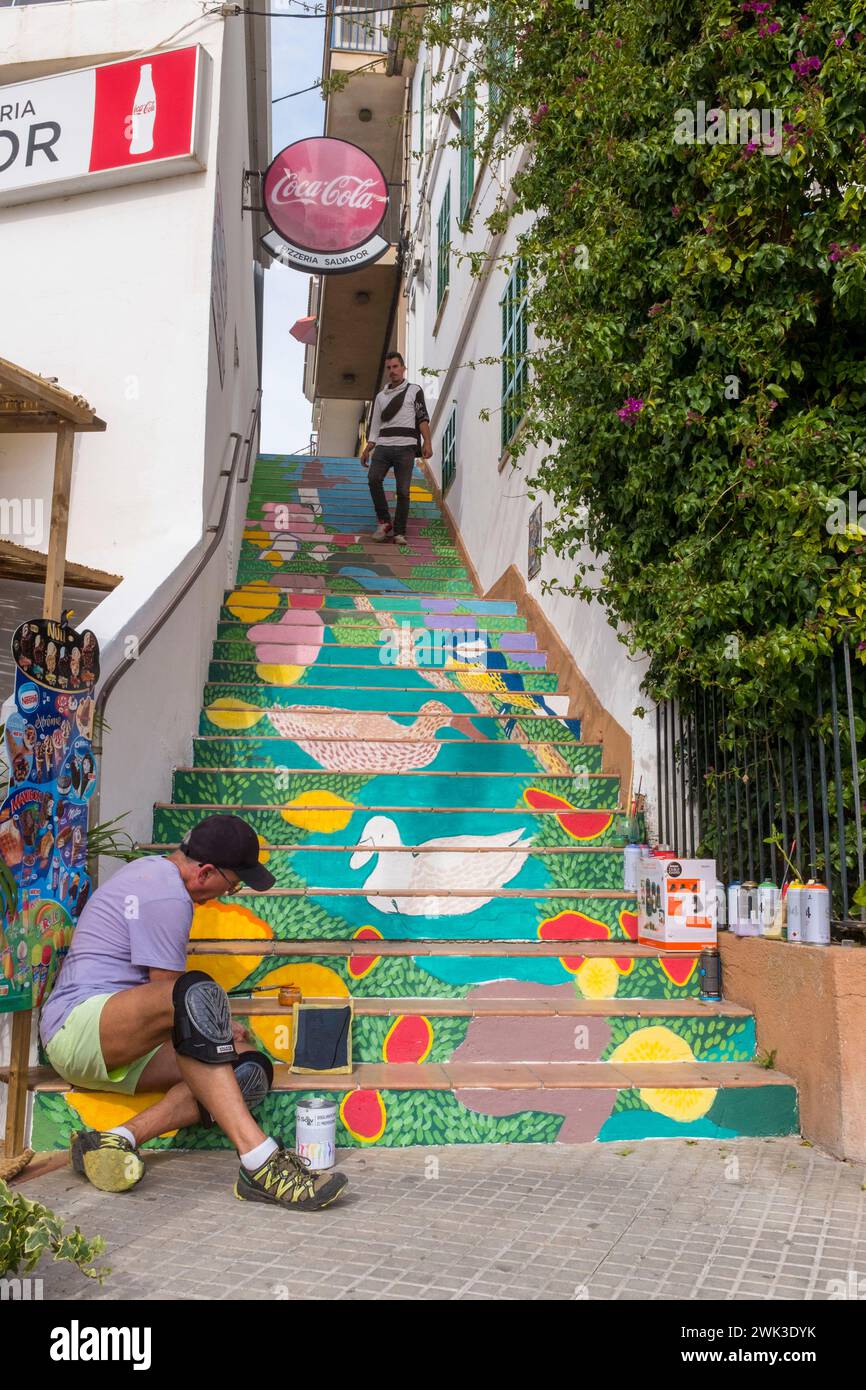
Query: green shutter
443, 245
421, 103
449, 451
467, 149
515, 369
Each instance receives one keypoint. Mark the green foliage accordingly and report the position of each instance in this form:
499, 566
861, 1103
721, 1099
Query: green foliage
719, 287
28, 1231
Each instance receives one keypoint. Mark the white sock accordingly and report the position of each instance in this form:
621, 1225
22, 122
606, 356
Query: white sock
124, 1133
257, 1156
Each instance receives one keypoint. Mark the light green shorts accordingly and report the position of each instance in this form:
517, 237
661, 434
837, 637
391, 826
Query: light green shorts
76, 1053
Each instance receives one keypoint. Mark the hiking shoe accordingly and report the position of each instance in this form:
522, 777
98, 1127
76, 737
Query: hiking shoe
382, 531
107, 1160
285, 1180
400, 540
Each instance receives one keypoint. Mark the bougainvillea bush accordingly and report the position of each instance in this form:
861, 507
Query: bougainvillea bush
700, 317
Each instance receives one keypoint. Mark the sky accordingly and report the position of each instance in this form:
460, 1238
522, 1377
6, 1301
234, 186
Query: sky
296, 61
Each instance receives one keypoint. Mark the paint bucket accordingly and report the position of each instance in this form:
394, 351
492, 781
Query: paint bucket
794, 906
733, 905
316, 1132
768, 902
710, 971
816, 914
632, 855
289, 995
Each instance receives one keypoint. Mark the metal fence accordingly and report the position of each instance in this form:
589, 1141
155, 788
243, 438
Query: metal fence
361, 28
726, 793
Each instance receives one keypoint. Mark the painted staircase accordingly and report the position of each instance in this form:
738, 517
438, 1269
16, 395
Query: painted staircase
445, 848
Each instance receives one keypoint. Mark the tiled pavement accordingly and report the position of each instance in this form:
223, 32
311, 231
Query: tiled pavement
667, 1219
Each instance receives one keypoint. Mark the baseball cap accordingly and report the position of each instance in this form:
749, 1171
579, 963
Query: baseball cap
228, 842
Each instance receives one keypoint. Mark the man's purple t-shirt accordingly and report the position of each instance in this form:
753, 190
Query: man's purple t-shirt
141, 917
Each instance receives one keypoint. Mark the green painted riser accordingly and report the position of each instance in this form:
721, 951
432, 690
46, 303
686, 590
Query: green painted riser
265, 787
349, 637
711, 1039
239, 660
329, 917
417, 692
545, 730
381, 677
429, 976
364, 629
441, 1117
172, 822
396, 604
374, 584
498, 756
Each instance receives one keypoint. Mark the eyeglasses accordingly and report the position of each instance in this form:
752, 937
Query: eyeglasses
231, 885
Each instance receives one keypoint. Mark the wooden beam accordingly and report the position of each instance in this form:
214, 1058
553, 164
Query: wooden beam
55, 569
21, 563
39, 422
17, 381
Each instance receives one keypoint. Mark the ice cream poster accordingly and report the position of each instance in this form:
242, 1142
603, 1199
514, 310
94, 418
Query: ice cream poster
43, 821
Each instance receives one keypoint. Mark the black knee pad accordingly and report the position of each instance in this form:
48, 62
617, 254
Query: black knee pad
202, 1020
254, 1073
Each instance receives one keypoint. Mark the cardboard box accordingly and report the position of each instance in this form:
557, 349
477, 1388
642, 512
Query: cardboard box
677, 903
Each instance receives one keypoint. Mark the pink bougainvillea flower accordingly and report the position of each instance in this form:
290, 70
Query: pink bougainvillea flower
539, 113
631, 406
676, 210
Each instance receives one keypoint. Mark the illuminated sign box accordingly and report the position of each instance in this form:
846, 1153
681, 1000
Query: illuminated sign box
73, 132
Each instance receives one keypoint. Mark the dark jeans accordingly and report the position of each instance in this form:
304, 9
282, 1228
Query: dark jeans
402, 459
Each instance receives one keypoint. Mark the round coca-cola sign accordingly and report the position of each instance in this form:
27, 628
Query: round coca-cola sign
325, 195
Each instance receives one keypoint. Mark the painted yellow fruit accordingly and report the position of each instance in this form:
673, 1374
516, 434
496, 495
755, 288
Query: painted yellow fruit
597, 978
314, 982
253, 602
107, 1109
273, 674
273, 556
264, 854
226, 922
231, 714
660, 1044
257, 536
331, 812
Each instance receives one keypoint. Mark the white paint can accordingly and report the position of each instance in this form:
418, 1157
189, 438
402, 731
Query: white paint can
316, 1132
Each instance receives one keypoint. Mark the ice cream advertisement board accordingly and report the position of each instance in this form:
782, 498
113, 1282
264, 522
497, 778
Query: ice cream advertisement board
43, 820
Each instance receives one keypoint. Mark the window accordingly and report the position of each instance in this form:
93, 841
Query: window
443, 246
421, 112
515, 369
467, 148
449, 451
500, 53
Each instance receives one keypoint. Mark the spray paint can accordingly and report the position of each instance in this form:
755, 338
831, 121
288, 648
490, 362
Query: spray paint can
710, 971
316, 1132
721, 906
816, 914
794, 904
749, 924
633, 854
734, 905
768, 901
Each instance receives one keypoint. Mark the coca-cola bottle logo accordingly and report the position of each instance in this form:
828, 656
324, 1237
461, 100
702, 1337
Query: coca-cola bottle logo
325, 194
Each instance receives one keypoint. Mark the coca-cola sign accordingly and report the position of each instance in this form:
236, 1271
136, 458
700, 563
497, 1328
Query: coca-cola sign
325, 196
70, 132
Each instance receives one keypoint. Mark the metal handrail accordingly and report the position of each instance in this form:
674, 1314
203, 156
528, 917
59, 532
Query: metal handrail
217, 532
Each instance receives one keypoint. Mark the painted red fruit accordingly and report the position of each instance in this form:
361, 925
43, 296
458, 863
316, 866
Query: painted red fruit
409, 1039
364, 1115
628, 922
568, 926
359, 966
679, 969
580, 825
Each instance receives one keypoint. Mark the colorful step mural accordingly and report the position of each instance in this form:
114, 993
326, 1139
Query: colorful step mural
447, 851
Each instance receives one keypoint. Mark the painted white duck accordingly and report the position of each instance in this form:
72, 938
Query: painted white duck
453, 866
379, 743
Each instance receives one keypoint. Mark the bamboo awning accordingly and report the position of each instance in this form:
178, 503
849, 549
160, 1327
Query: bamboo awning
34, 404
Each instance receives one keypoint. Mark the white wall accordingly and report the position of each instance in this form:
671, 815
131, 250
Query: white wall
492, 506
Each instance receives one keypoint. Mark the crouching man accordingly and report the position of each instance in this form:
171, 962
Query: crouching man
127, 1015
